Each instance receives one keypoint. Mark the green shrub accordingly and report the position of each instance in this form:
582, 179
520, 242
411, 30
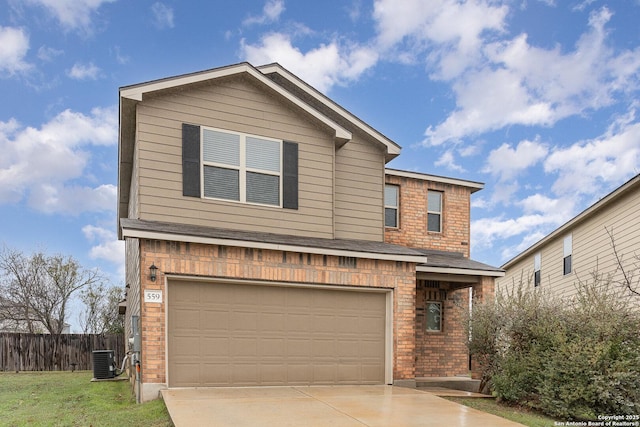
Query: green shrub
571, 359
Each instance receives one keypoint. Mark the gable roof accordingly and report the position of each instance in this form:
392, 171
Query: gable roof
325, 104
132, 94
137, 92
632, 185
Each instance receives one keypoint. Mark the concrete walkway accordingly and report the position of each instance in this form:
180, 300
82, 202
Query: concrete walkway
337, 406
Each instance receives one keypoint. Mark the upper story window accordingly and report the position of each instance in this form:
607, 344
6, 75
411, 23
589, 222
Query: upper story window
434, 211
228, 165
567, 252
536, 269
241, 167
391, 193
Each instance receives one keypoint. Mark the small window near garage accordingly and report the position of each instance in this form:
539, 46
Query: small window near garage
568, 251
391, 206
536, 270
434, 316
434, 211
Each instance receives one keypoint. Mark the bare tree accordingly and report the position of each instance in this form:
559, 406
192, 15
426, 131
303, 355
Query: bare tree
37, 290
18, 285
100, 314
628, 269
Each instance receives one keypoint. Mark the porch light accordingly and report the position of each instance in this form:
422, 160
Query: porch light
152, 272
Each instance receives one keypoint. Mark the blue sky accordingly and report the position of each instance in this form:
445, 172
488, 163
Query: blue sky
538, 99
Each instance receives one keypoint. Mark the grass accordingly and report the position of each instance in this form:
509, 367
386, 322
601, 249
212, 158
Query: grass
70, 399
522, 416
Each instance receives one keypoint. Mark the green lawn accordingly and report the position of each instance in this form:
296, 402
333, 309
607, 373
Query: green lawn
490, 406
70, 399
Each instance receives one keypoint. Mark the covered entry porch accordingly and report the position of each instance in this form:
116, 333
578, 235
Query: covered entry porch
446, 288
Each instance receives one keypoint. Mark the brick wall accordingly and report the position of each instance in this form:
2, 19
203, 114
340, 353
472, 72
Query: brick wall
440, 354
413, 216
241, 263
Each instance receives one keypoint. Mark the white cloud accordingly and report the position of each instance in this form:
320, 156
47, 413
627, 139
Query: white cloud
354, 10
486, 231
106, 246
84, 71
517, 83
14, 44
450, 32
40, 164
448, 160
323, 67
162, 15
46, 53
507, 162
270, 13
72, 14
72, 200
594, 166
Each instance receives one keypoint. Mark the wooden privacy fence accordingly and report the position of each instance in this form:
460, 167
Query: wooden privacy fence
41, 352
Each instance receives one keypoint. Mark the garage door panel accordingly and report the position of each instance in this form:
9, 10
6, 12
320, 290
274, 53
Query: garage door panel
298, 347
214, 374
243, 335
243, 373
187, 320
243, 346
187, 373
271, 347
214, 347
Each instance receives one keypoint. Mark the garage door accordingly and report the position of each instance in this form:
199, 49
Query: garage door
245, 335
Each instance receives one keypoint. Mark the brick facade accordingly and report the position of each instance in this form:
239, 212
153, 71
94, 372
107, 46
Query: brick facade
219, 262
444, 353
412, 231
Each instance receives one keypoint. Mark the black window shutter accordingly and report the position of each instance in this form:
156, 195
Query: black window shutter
290, 175
190, 160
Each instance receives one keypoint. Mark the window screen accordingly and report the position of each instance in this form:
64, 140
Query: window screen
221, 183
391, 206
434, 211
264, 189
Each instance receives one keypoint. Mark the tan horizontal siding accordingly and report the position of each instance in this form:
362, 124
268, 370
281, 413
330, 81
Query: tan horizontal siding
591, 248
359, 191
238, 105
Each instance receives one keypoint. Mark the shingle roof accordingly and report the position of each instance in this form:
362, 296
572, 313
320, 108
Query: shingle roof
237, 237
442, 259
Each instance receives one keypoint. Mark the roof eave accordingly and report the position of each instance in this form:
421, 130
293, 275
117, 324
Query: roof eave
583, 216
392, 149
158, 235
459, 271
472, 185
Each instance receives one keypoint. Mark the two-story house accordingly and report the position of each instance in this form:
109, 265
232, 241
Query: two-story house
266, 243
582, 246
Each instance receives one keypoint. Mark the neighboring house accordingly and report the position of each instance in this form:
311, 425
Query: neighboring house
286, 254
581, 246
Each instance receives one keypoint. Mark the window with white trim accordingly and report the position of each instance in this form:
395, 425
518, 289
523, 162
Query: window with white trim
536, 269
241, 167
434, 211
567, 253
391, 216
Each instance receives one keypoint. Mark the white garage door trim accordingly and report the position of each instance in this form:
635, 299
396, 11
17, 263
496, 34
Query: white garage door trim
388, 363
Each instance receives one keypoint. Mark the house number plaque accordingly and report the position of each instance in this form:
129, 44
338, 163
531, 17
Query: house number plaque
152, 296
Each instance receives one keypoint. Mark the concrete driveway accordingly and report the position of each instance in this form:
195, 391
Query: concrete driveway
320, 406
